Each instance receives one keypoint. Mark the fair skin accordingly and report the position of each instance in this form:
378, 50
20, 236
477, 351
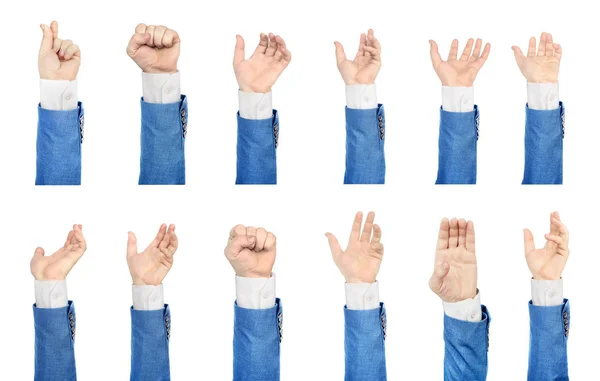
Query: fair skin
541, 66
58, 59
251, 251
454, 276
459, 71
154, 48
548, 262
361, 260
364, 68
259, 73
151, 266
58, 265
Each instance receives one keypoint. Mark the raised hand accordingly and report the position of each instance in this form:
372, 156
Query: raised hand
455, 270
251, 251
364, 68
361, 260
541, 67
151, 266
462, 71
548, 262
258, 73
154, 48
58, 59
59, 264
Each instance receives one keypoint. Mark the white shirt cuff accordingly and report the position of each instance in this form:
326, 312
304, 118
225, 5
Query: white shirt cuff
458, 99
256, 105
547, 293
362, 296
542, 96
161, 87
58, 95
466, 310
148, 298
255, 293
51, 294
361, 97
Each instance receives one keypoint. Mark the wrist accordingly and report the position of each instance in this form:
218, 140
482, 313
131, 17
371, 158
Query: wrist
151, 70
454, 83
360, 279
141, 282
254, 274
255, 89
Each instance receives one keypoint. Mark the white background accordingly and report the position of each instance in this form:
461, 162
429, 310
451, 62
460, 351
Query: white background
309, 199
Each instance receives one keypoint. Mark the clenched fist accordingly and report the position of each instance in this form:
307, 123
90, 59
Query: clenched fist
58, 59
544, 66
364, 68
361, 260
459, 72
454, 276
151, 266
59, 264
155, 49
548, 262
251, 251
258, 73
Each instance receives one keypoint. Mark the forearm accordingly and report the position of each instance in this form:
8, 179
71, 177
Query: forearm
150, 335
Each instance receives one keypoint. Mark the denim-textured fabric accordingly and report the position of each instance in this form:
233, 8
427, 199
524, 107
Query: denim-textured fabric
544, 132
457, 156
467, 343
54, 338
150, 334
257, 142
365, 138
364, 342
256, 339
549, 330
58, 146
164, 126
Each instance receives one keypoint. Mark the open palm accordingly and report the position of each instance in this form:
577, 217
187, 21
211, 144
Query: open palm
58, 59
455, 273
548, 262
543, 66
58, 265
151, 266
365, 66
463, 71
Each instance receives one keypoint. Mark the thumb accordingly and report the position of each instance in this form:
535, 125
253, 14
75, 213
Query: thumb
39, 252
436, 59
340, 56
439, 273
518, 53
239, 54
137, 40
334, 245
242, 242
131, 245
47, 39
529, 243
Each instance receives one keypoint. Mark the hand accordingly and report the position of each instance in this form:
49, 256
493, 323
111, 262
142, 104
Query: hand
155, 49
258, 73
151, 266
549, 262
454, 276
361, 260
544, 67
251, 251
365, 67
58, 59
59, 264
459, 72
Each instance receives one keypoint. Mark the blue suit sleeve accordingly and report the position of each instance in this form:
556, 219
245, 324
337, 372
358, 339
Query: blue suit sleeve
150, 335
544, 132
256, 339
365, 138
457, 156
164, 128
549, 331
257, 142
364, 342
54, 339
467, 343
58, 147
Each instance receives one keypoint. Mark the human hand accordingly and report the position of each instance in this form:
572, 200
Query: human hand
58, 59
361, 260
152, 265
544, 66
258, 73
251, 251
459, 72
365, 66
454, 276
548, 262
154, 48
59, 264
